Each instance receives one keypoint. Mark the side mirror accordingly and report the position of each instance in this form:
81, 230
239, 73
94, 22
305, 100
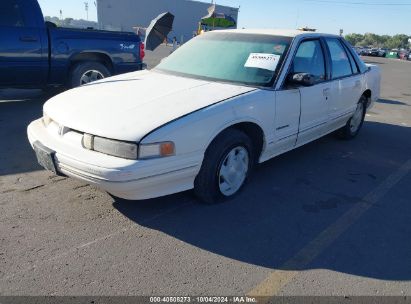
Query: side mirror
301, 79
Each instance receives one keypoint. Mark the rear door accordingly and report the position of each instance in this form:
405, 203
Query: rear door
347, 85
22, 61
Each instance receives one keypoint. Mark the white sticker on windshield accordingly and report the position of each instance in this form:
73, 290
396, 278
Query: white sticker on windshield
263, 61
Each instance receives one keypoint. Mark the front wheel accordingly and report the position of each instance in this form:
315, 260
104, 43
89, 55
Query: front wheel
354, 125
227, 164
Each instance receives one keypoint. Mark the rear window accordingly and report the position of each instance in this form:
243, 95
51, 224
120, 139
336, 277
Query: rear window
10, 14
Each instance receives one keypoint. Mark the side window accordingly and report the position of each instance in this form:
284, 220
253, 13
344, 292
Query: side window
310, 59
341, 65
10, 14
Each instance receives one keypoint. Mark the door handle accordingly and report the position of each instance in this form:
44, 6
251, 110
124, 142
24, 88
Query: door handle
28, 38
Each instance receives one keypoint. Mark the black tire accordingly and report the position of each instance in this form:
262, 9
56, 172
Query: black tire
346, 131
82, 67
206, 185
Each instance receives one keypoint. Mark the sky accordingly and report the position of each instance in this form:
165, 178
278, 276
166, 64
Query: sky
353, 16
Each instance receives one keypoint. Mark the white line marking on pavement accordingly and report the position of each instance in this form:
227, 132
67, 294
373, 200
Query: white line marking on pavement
276, 281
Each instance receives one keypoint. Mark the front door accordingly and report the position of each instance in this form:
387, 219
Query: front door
315, 99
287, 118
21, 58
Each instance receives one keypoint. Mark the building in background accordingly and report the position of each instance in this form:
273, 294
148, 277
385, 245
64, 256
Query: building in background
128, 15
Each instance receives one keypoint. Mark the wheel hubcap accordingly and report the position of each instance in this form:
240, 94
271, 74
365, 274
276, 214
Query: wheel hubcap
91, 76
233, 171
357, 118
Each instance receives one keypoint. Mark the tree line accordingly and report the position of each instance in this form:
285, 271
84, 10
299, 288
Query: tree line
71, 22
399, 41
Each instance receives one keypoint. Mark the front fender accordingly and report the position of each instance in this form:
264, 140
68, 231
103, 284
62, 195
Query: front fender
194, 133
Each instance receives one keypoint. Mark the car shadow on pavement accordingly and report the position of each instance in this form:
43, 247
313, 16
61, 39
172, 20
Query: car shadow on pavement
367, 60
293, 198
392, 102
16, 155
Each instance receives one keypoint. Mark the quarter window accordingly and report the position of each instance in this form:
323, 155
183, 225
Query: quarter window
10, 14
341, 66
353, 64
310, 59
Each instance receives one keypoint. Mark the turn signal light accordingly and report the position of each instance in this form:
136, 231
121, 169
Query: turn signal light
167, 149
163, 149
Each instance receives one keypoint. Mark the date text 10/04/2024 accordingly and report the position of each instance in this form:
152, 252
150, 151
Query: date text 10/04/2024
203, 299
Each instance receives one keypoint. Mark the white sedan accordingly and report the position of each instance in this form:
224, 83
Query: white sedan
207, 114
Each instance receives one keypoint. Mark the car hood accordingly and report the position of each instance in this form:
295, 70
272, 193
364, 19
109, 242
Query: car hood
129, 106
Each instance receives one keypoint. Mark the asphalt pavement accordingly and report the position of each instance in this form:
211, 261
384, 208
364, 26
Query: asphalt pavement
330, 218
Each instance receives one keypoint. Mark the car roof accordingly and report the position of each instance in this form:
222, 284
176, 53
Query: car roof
278, 32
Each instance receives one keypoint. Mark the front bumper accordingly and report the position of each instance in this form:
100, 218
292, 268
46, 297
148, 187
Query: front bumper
128, 179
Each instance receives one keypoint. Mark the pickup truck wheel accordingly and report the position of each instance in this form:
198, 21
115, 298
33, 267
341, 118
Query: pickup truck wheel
86, 72
227, 164
354, 125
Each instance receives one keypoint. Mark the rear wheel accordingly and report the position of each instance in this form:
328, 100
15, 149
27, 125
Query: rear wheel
227, 164
86, 72
354, 125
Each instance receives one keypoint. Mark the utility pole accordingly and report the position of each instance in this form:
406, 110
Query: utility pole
86, 8
61, 15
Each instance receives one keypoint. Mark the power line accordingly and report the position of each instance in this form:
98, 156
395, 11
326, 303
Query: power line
359, 3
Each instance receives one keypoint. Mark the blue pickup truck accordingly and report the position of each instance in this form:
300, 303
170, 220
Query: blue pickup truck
38, 54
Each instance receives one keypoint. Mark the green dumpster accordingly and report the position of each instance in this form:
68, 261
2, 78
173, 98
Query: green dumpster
392, 54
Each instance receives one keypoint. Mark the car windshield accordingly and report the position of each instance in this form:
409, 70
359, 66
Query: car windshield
229, 57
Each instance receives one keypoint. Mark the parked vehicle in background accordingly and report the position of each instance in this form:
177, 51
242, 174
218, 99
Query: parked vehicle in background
366, 52
359, 50
403, 54
37, 54
374, 52
268, 92
382, 52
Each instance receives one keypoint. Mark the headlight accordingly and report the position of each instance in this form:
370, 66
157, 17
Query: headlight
126, 149
111, 147
46, 120
156, 150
